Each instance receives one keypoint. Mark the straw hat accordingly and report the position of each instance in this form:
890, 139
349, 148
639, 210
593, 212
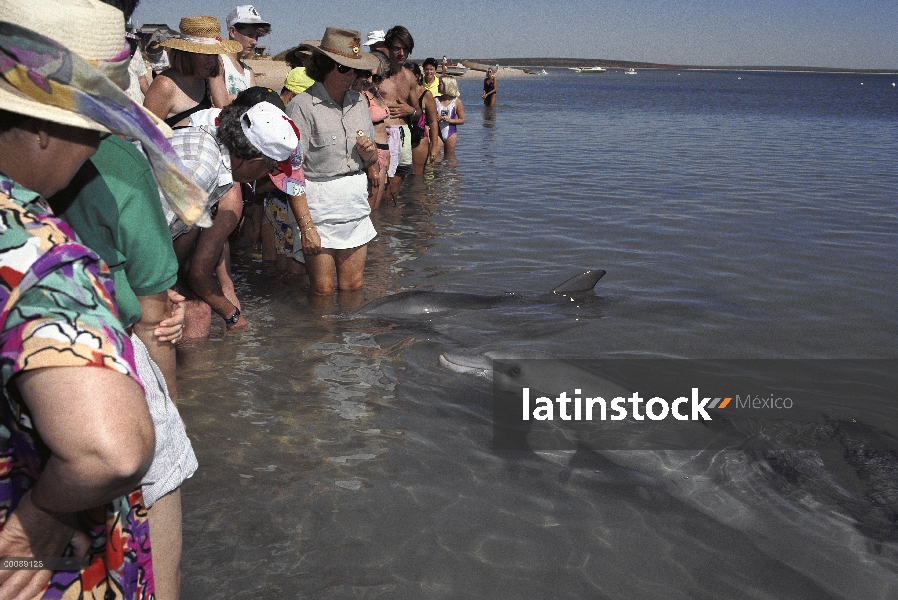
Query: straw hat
93, 30
202, 35
154, 50
344, 46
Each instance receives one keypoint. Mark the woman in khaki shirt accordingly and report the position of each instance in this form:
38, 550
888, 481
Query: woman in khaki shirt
336, 135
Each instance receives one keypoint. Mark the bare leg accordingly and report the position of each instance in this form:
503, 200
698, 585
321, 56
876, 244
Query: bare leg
351, 268
197, 319
223, 272
165, 531
449, 145
419, 155
348, 265
393, 187
269, 249
321, 269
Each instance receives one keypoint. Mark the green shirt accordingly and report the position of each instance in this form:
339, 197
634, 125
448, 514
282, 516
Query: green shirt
113, 205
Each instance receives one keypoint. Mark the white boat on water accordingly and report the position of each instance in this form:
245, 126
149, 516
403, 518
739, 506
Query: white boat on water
630, 72
456, 70
587, 69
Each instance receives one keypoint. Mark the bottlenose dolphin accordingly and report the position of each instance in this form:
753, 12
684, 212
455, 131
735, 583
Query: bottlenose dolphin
838, 504
421, 302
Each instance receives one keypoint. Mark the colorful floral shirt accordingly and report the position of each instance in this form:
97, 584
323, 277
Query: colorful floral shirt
58, 310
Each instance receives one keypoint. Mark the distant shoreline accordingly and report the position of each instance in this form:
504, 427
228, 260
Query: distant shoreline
564, 63
271, 73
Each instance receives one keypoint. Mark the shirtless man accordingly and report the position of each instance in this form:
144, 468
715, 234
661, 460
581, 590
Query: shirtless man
399, 91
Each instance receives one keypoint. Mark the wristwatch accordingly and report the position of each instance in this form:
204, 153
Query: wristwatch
234, 318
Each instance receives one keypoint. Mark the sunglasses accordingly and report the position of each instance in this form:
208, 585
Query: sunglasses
343, 69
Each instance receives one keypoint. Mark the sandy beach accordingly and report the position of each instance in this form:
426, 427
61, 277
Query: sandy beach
272, 73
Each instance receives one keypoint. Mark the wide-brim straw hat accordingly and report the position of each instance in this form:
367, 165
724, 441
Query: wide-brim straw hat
202, 35
93, 30
343, 46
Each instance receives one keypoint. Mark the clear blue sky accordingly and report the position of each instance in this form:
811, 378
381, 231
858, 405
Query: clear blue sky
860, 34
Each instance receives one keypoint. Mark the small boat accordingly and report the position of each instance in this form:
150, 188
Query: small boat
630, 72
593, 70
476, 66
457, 70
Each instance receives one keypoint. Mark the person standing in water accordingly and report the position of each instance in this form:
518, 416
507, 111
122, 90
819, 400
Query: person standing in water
451, 113
489, 89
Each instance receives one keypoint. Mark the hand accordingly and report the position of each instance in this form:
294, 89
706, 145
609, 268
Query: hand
311, 241
172, 328
240, 325
400, 110
431, 155
31, 531
366, 149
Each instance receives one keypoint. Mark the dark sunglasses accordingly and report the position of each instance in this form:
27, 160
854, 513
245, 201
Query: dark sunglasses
377, 79
343, 69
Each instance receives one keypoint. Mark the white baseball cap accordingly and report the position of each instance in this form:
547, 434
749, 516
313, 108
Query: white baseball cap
376, 36
272, 133
245, 13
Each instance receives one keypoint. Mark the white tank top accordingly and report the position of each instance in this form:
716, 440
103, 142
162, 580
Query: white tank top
234, 81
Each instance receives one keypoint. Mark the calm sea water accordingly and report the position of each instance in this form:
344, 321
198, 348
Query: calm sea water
738, 215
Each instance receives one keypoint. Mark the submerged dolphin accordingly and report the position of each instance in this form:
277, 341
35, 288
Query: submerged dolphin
421, 302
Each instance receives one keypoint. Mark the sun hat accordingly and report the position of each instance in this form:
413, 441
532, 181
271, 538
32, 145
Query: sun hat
91, 29
154, 49
202, 35
375, 37
245, 14
297, 81
68, 63
343, 46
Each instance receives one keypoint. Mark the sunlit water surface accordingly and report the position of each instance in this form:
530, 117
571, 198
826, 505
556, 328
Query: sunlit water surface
737, 218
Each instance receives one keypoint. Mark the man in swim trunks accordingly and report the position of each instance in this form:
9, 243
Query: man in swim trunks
399, 89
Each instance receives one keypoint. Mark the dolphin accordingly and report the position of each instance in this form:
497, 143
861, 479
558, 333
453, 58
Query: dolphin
421, 302
838, 504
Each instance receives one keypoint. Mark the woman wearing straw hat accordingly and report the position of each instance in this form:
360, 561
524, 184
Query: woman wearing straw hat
183, 89
76, 434
336, 135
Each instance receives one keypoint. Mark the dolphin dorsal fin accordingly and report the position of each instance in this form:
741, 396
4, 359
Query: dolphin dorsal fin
580, 283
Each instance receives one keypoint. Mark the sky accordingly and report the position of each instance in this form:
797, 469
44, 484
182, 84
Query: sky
856, 34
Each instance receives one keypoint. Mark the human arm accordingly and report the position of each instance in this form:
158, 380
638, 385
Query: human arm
100, 440
406, 104
171, 328
367, 151
311, 241
430, 112
144, 84
208, 252
218, 89
156, 309
459, 113
158, 99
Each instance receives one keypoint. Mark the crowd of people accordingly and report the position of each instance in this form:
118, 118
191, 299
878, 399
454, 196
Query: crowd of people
124, 173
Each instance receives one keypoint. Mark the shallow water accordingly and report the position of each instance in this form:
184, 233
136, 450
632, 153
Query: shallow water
737, 218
